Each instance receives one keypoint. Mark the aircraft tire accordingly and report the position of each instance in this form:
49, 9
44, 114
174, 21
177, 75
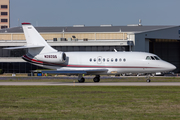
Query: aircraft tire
81, 80
96, 79
148, 80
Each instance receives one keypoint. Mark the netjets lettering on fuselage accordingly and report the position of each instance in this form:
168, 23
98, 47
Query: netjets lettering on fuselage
50, 56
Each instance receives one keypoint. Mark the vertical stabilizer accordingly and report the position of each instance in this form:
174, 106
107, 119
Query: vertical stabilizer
33, 38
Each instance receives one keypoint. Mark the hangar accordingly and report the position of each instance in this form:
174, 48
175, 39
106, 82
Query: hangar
160, 40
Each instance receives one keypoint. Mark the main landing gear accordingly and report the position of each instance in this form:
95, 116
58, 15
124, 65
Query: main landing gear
81, 79
97, 78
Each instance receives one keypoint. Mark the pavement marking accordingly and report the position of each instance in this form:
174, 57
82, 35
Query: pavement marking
89, 84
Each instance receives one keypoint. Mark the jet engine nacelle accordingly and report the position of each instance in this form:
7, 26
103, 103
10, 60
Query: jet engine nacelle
57, 57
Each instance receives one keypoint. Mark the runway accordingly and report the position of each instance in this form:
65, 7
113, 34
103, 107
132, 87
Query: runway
89, 84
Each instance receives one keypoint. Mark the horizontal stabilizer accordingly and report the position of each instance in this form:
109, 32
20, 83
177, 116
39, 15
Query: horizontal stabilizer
23, 47
75, 71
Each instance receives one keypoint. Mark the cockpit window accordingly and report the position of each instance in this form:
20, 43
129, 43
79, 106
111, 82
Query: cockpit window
152, 58
148, 58
156, 57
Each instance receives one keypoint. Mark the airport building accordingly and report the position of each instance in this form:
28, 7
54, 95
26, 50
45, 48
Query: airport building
161, 40
4, 14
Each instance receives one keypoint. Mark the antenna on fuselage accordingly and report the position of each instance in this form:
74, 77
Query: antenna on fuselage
115, 50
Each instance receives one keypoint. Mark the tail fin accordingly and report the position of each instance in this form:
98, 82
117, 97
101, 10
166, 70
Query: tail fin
33, 38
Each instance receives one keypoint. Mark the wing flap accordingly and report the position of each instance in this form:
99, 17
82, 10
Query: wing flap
65, 72
96, 71
75, 71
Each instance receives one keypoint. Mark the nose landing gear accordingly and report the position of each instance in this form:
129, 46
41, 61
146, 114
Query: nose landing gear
81, 79
148, 78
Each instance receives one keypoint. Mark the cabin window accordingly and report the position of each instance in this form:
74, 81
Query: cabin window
148, 58
111, 59
124, 59
116, 59
99, 59
108, 60
104, 59
94, 59
120, 59
90, 59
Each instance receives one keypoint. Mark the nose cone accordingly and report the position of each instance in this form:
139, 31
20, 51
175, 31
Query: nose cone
173, 67
170, 67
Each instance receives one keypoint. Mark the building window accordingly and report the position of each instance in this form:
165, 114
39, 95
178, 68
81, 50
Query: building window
4, 13
4, 20
2, 27
4, 6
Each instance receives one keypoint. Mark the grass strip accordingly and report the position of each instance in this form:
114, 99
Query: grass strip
93, 102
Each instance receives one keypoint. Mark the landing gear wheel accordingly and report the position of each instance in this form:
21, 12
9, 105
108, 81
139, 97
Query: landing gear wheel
148, 80
81, 80
96, 79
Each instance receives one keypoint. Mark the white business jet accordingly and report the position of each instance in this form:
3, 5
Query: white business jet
94, 63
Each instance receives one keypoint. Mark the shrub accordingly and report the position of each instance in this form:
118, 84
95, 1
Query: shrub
1, 71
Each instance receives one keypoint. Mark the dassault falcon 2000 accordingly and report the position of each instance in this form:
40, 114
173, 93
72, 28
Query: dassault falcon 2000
94, 63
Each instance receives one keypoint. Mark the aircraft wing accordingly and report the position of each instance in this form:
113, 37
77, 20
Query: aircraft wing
23, 47
90, 71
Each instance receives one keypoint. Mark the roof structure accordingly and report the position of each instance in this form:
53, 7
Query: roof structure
88, 29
